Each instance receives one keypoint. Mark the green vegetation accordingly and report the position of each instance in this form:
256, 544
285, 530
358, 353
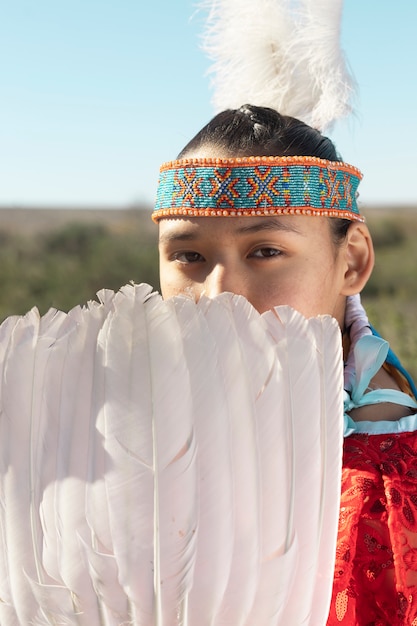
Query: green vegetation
390, 297
66, 264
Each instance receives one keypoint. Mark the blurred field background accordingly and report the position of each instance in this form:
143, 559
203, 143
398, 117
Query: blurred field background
61, 258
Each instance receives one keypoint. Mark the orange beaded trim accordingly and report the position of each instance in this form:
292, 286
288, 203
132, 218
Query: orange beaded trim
347, 215
250, 186
261, 160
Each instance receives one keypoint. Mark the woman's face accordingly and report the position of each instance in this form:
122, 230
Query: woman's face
270, 260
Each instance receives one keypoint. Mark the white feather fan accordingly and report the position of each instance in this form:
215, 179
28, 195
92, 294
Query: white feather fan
168, 463
283, 54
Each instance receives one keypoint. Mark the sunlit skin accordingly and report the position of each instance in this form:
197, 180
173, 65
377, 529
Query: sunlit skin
269, 260
272, 260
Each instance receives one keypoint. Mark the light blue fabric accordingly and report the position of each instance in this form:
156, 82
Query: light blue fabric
404, 425
370, 354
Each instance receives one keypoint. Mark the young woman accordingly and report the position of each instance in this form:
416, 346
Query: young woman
297, 238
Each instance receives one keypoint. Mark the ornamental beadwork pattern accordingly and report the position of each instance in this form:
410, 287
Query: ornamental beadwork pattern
375, 582
223, 187
266, 186
257, 186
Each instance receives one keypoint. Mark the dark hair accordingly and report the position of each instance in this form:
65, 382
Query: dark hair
261, 131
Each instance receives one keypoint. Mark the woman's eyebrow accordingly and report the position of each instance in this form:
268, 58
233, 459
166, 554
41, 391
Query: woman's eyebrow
171, 237
269, 224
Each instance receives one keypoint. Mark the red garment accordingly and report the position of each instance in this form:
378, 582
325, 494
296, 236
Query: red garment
375, 580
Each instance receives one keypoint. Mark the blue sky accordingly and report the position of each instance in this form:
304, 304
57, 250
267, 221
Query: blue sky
96, 94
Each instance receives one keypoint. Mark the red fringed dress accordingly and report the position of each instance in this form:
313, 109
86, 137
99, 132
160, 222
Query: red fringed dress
375, 582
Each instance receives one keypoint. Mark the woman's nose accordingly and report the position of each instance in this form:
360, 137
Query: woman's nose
224, 278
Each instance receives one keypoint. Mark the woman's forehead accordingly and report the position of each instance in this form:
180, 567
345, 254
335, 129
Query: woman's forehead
187, 228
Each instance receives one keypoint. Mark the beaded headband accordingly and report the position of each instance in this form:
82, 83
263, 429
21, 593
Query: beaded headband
248, 186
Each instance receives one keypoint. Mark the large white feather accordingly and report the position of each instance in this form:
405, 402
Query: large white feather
314, 369
284, 54
8, 613
63, 511
24, 433
330, 362
125, 424
278, 557
153, 464
211, 417
151, 473
240, 590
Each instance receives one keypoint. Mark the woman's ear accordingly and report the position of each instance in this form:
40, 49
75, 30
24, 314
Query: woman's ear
359, 257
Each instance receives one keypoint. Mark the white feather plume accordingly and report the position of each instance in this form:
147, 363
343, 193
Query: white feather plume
283, 54
158, 459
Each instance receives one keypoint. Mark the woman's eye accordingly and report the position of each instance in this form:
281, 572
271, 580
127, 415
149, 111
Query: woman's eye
188, 257
265, 253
